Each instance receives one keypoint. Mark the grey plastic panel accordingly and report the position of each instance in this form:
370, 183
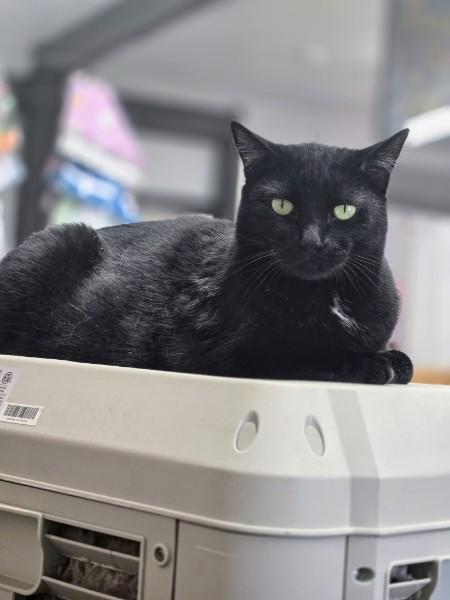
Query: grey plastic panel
219, 565
21, 555
267, 457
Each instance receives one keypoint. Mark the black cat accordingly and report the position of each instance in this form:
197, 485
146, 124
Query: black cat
298, 287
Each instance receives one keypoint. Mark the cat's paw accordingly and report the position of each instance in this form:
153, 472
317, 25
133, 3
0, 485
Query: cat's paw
401, 366
383, 367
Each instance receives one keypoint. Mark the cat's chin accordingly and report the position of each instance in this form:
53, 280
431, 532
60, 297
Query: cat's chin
310, 274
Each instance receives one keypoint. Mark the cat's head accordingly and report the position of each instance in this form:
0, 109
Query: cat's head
314, 207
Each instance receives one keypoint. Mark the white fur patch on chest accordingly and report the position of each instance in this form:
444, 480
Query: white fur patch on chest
339, 310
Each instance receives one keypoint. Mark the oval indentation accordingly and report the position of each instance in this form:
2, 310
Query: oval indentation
314, 436
364, 575
247, 432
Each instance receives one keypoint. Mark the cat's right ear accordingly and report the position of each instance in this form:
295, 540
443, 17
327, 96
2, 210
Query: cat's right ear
252, 148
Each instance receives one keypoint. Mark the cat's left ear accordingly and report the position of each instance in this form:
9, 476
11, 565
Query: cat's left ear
377, 161
253, 149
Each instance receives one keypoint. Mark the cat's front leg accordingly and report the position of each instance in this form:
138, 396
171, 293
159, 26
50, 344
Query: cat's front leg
379, 368
390, 366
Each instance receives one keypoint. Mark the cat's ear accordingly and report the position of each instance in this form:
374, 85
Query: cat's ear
252, 148
377, 161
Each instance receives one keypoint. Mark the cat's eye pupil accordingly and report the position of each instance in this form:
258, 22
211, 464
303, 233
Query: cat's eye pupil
343, 212
282, 207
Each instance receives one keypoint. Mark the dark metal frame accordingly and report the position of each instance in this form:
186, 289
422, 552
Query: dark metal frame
196, 125
40, 97
109, 29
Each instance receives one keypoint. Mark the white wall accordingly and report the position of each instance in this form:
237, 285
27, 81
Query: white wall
419, 251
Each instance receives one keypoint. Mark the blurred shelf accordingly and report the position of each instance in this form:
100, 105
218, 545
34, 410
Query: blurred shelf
180, 202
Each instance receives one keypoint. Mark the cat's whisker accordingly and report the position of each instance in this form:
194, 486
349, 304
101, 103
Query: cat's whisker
364, 271
251, 261
359, 270
348, 272
250, 270
260, 277
268, 277
367, 259
365, 256
252, 278
251, 257
339, 278
280, 270
368, 265
356, 275
369, 274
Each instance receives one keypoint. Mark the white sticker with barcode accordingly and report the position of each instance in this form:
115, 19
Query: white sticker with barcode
20, 414
8, 378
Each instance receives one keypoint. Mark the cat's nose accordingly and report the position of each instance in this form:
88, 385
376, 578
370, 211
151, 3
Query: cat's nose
311, 239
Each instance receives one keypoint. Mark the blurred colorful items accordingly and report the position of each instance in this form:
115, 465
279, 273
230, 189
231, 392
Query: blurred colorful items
74, 180
98, 160
12, 170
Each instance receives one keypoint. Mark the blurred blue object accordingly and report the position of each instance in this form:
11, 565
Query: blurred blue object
93, 189
12, 171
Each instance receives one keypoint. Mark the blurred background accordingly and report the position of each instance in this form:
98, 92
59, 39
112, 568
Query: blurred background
115, 111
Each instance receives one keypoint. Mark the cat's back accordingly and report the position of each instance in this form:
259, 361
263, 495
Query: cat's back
70, 251
180, 234
51, 263
70, 274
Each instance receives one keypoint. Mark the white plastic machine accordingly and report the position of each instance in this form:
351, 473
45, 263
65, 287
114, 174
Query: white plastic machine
227, 489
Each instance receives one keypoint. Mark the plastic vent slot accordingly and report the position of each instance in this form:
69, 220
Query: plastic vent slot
83, 564
413, 581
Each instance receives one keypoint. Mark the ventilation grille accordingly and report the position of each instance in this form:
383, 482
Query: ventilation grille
412, 581
83, 564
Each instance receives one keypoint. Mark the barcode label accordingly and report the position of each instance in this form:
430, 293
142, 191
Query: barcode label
19, 411
21, 414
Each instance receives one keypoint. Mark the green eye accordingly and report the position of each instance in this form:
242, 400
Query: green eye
343, 212
282, 207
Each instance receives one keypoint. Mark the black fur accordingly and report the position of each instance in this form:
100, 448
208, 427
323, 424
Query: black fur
300, 296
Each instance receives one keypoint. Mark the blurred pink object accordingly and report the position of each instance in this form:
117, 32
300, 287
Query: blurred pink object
95, 130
